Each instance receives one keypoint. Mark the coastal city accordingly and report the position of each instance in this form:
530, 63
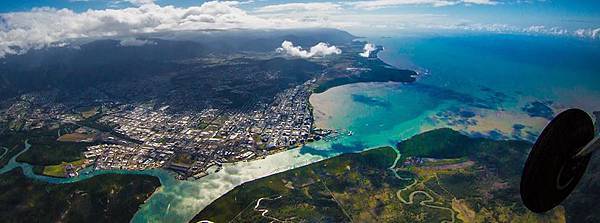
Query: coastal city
144, 136
166, 111
191, 143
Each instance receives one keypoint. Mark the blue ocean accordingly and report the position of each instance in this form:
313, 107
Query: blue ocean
497, 86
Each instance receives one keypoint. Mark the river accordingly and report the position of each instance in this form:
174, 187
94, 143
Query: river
5, 151
468, 85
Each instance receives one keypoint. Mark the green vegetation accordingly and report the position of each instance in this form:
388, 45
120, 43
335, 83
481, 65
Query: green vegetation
92, 123
59, 170
45, 149
381, 157
75, 137
38, 170
201, 124
378, 71
183, 158
14, 142
309, 193
88, 112
16, 124
495, 176
506, 157
473, 180
104, 198
442, 144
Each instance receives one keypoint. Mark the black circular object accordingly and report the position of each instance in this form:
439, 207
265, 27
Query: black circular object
551, 171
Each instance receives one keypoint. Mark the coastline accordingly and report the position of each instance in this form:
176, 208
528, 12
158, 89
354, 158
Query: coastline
176, 193
214, 185
409, 73
371, 69
208, 187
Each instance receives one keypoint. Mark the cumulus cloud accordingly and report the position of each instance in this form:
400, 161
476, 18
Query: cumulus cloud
314, 6
41, 27
140, 2
377, 4
368, 48
592, 33
557, 31
319, 50
506, 28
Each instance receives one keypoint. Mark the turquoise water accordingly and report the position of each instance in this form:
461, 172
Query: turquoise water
165, 177
541, 67
476, 84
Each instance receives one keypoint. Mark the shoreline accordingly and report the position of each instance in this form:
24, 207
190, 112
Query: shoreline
275, 163
376, 71
379, 60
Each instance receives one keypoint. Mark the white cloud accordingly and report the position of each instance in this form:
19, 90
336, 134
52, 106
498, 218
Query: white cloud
140, 2
377, 4
41, 27
480, 2
596, 33
319, 50
506, 28
591, 33
368, 48
120, 3
315, 6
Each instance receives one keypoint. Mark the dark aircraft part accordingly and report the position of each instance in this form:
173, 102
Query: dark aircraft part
552, 170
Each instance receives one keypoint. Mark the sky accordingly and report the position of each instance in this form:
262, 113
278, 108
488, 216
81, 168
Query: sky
27, 24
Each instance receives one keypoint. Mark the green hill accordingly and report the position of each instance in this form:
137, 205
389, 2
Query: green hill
481, 186
104, 198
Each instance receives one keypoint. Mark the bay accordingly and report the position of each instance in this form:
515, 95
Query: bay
481, 85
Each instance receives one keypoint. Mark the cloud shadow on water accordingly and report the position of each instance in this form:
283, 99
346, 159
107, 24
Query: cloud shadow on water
371, 101
539, 109
493, 100
455, 116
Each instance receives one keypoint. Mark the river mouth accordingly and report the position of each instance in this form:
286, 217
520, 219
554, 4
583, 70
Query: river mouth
368, 114
381, 114
187, 198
